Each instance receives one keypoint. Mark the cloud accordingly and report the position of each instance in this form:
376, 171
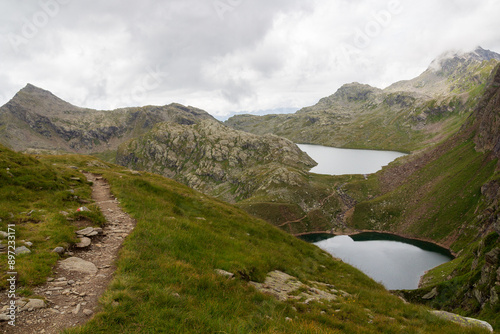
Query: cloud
228, 55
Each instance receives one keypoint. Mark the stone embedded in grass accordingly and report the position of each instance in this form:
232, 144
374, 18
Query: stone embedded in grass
465, 321
22, 250
3, 234
58, 250
433, 293
224, 273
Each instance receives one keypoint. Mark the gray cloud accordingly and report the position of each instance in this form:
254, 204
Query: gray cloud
228, 55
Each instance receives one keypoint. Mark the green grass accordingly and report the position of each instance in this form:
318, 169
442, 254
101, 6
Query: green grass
32, 195
165, 279
434, 202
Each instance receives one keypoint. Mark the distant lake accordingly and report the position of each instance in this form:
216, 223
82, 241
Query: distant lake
396, 262
340, 161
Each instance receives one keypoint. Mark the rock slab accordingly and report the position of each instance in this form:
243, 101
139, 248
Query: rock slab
465, 321
79, 265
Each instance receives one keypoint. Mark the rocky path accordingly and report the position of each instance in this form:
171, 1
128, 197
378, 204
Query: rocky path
71, 296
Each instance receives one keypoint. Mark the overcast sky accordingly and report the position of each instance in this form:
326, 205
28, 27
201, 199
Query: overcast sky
228, 55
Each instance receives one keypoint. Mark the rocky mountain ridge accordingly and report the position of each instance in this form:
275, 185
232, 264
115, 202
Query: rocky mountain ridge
405, 116
36, 119
215, 159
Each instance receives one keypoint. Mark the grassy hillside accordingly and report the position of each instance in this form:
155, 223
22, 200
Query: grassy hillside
165, 281
449, 194
32, 196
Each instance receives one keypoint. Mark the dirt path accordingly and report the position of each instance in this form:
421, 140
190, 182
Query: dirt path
71, 296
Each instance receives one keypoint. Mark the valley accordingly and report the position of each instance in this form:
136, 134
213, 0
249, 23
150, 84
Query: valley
206, 194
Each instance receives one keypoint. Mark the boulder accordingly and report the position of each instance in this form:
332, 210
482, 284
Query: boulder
78, 265
465, 321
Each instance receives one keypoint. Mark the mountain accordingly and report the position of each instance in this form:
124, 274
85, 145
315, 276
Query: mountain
37, 119
450, 194
181, 142
405, 116
192, 264
215, 159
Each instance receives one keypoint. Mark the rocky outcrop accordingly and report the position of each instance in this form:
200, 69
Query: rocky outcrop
464, 321
488, 117
215, 159
286, 287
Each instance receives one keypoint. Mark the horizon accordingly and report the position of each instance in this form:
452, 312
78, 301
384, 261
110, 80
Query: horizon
229, 57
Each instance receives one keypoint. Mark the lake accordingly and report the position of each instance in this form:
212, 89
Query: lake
340, 161
396, 262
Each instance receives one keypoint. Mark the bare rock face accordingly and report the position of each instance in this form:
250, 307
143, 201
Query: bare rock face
488, 118
213, 158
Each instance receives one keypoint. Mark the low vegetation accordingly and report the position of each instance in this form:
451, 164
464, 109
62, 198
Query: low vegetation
166, 280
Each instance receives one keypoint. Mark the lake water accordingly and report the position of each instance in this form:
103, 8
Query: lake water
340, 161
396, 262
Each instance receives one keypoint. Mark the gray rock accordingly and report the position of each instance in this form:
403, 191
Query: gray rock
463, 320
3, 234
224, 273
432, 294
84, 242
58, 250
78, 265
85, 231
87, 312
22, 250
34, 304
28, 243
77, 309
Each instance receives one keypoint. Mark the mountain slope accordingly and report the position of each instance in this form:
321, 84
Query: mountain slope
166, 280
37, 119
449, 194
406, 116
215, 159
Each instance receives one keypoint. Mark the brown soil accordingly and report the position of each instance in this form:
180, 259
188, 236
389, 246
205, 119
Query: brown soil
70, 293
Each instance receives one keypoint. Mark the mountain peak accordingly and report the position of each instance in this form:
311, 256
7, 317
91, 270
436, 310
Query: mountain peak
33, 98
450, 59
